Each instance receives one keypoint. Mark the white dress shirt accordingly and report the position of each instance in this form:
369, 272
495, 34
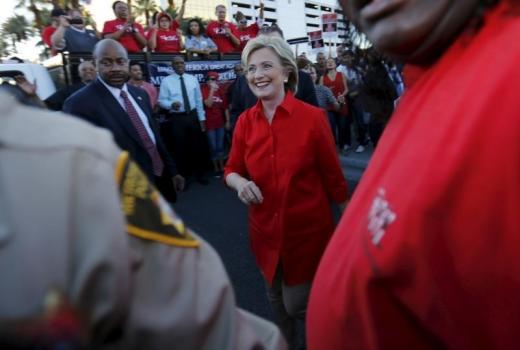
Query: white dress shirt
117, 95
171, 92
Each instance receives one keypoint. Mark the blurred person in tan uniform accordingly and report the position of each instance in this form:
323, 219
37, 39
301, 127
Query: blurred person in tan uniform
78, 216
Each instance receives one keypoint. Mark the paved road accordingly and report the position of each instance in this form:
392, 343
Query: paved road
216, 214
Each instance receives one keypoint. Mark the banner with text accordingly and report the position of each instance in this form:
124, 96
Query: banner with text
158, 71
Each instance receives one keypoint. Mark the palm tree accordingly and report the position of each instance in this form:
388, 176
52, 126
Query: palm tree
35, 7
18, 28
144, 8
4, 46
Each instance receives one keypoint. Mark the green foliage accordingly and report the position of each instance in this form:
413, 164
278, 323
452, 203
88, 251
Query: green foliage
144, 8
18, 28
4, 47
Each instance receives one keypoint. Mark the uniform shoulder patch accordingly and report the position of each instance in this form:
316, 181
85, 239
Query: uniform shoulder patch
148, 215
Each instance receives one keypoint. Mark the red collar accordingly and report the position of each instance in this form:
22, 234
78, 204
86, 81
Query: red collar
287, 105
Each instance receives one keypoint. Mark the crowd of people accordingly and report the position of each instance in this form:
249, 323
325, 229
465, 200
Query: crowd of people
163, 34
425, 254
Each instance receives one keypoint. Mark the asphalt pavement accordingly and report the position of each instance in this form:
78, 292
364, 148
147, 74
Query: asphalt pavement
216, 214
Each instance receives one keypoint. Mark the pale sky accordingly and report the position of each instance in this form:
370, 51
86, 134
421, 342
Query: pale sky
100, 10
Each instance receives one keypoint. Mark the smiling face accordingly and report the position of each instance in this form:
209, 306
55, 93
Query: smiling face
414, 30
87, 72
266, 75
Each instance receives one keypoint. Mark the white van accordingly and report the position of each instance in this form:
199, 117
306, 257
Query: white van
33, 72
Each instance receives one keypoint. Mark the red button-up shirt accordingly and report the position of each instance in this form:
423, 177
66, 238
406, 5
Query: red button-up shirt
293, 161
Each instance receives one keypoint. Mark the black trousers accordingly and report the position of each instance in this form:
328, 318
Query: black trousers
356, 112
186, 143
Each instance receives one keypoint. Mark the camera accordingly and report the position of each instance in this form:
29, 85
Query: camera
76, 20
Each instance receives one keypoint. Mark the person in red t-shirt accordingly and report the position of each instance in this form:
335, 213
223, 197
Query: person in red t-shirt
123, 29
217, 118
248, 32
222, 32
426, 255
166, 35
284, 166
47, 32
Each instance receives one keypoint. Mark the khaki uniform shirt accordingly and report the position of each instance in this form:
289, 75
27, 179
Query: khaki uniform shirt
78, 216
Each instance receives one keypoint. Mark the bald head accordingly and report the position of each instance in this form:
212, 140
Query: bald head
106, 44
111, 60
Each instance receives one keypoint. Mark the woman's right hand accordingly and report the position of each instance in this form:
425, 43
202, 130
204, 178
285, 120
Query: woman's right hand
249, 193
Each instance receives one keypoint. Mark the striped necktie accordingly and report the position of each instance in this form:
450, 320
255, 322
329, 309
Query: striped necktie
157, 163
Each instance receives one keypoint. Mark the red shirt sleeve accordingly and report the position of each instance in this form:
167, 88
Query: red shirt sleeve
47, 34
234, 30
254, 29
210, 30
223, 95
109, 27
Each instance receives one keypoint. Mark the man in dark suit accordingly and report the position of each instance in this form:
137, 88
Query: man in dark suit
125, 110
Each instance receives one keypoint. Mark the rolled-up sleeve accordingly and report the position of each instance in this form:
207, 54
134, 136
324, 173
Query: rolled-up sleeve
164, 99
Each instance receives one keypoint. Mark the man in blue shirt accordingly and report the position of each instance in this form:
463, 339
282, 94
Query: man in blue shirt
183, 132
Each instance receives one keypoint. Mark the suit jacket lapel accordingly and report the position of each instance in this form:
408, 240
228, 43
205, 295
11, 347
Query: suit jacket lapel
117, 112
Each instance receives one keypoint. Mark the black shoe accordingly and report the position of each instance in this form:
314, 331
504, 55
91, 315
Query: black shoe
203, 181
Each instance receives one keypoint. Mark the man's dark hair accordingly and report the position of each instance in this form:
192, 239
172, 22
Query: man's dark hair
115, 3
57, 12
134, 63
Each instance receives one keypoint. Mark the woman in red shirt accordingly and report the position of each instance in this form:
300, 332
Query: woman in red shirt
166, 36
283, 165
336, 81
217, 119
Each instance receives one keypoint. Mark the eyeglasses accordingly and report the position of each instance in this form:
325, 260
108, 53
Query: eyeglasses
211, 79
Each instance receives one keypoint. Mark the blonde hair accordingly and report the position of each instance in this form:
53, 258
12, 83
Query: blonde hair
282, 50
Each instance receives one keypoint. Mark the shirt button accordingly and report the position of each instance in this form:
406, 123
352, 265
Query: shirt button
272, 155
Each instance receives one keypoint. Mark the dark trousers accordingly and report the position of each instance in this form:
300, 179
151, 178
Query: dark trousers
340, 125
375, 130
356, 112
186, 142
